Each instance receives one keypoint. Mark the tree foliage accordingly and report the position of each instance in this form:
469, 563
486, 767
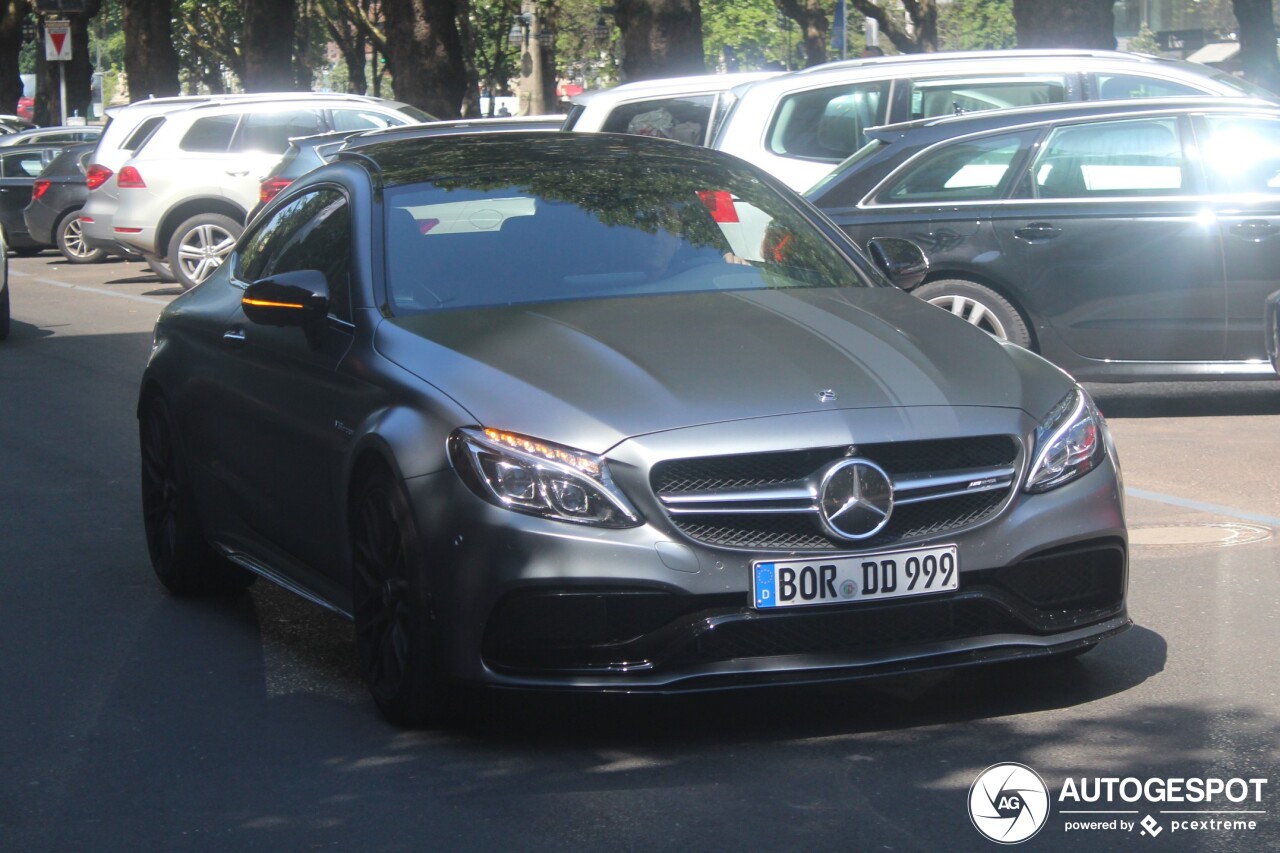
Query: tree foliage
976, 25
1052, 23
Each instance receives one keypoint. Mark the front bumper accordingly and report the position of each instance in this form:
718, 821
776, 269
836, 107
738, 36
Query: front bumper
525, 602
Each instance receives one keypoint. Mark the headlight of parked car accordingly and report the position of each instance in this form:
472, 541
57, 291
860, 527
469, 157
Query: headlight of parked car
540, 478
1069, 443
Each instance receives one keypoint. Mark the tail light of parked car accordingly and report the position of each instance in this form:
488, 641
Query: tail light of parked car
130, 179
39, 188
271, 188
95, 176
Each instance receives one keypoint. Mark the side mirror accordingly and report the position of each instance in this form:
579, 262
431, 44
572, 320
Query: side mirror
901, 260
298, 298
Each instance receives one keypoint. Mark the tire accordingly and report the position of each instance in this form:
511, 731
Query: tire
981, 306
160, 267
395, 633
181, 557
69, 238
199, 246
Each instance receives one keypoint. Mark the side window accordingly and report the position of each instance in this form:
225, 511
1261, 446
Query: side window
208, 134
270, 132
143, 132
1115, 158
951, 96
1119, 87
311, 232
682, 119
1242, 154
26, 165
363, 120
828, 124
972, 170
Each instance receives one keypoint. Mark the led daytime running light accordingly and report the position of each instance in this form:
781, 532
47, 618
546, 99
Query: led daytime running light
550, 452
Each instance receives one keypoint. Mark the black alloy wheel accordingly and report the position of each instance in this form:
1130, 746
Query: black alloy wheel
394, 630
181, 557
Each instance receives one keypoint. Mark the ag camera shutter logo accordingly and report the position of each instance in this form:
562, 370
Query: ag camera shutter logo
1008, 803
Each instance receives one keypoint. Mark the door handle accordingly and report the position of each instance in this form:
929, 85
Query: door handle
234, 337
1254, 229
1037, 231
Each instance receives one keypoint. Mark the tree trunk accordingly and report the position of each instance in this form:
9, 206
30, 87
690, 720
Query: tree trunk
467, 36
1258, 43
150, 59
923, 15
12, 15
424, 53
660, 38
266, 45
812, 18
1053, 23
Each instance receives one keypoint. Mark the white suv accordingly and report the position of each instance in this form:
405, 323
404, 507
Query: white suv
193, 176
798, 126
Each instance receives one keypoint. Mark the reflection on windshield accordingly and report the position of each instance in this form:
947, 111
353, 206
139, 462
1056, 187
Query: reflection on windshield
588, 233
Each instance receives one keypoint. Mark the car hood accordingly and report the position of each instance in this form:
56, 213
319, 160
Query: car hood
591, 374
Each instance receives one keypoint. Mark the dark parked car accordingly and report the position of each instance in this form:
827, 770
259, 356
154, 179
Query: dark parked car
53, 216
1122, 241
19, 168
602, 412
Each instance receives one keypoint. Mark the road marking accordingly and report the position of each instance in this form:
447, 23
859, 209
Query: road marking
1216, 509
68, 286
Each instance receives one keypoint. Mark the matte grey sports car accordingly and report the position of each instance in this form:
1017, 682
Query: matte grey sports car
615, 413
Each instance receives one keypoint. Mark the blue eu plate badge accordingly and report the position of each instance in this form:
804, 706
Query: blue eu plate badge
766, 595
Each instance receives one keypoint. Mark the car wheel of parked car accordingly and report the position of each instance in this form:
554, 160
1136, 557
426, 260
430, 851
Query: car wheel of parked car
980, 306
180, 555
70, 239
200, 245
391, 604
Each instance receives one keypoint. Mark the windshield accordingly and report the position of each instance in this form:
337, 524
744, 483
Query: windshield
590, 232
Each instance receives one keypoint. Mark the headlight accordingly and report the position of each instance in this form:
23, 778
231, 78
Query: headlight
1069, 443
540, 478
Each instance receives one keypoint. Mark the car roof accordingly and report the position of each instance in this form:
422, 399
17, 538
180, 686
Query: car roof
505, 124
406, 159
959, 63
978, 55
956, 125
697, 83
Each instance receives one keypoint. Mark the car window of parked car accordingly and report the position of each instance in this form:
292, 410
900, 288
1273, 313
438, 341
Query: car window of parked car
363, 120
143, 132
490, 240
683, 119
270, 132
1116, 87
1242, 153
311, 232
828, 124
29, 164
970, 170
954, 96
210, 133
1136, 157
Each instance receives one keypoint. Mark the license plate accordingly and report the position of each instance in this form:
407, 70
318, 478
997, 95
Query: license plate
868, 577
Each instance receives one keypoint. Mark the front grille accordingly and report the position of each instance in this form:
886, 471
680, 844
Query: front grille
766, 501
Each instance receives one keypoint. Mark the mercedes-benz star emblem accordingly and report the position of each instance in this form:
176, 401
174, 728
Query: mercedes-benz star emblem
856, 499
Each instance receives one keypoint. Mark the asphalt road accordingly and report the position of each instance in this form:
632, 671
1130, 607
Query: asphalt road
132, 720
